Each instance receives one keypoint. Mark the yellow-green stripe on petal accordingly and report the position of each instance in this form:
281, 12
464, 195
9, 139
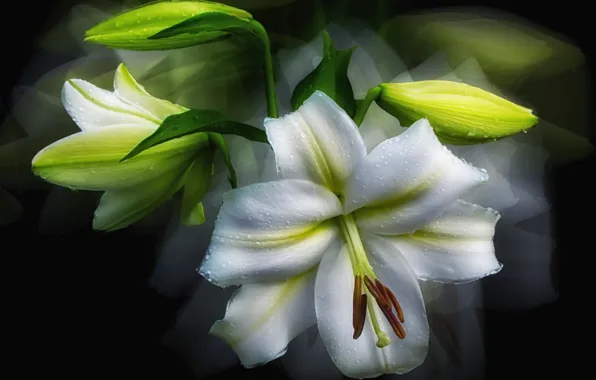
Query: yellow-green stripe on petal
92, 107
270, 231
90, 160
131, 92
459, 113
262, 319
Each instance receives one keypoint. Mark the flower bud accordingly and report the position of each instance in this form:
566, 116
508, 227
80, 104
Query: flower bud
132, 28
459, 113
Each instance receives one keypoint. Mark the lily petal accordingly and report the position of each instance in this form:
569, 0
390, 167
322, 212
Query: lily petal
406, 181
92, 107
455, 247
120, 208
262, 319
319, 142
270, 231
89, 160
131, 92
361, 358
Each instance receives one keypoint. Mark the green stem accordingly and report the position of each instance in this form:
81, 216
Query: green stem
371, 96
269, 80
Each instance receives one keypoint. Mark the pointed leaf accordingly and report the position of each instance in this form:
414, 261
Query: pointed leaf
218, 142
210, 22
196, 185
330, 77
195, 121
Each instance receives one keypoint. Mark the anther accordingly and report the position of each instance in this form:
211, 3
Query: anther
361, 317
374, 291
383, 292
396, 305
356, 300
395, 325
387, 301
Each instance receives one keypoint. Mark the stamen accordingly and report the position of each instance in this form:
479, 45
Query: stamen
361, 315
383, 292
395, 325
365, 289
386, 299
396, 305
374, 291
356, 300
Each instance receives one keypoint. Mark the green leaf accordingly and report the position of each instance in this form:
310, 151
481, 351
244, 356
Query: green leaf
330, 77
218, 142
205, 23
197, 183
195, 121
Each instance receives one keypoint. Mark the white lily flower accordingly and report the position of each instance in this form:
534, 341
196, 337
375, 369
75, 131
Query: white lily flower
112, 124
341, 239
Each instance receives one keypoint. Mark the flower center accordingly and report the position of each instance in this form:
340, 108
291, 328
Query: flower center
368, 287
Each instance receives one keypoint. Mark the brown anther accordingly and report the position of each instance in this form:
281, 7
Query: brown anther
356, 300
386, 301
372, 288
395, 325
383, 292
396, 305
361, 315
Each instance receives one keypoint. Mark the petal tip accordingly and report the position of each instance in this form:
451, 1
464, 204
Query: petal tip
319, 99
36, 161
422, 124
122, 67
66, 93
207, 270
74, 82
320, 95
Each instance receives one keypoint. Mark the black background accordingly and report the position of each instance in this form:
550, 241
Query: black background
78, 305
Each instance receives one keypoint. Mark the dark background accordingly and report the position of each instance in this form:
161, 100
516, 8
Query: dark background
78, 305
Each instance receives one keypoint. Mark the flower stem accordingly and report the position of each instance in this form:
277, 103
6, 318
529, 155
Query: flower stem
269, 80
371, 96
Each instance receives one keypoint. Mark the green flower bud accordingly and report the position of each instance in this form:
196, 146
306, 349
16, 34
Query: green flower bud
132, 28
459, 113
